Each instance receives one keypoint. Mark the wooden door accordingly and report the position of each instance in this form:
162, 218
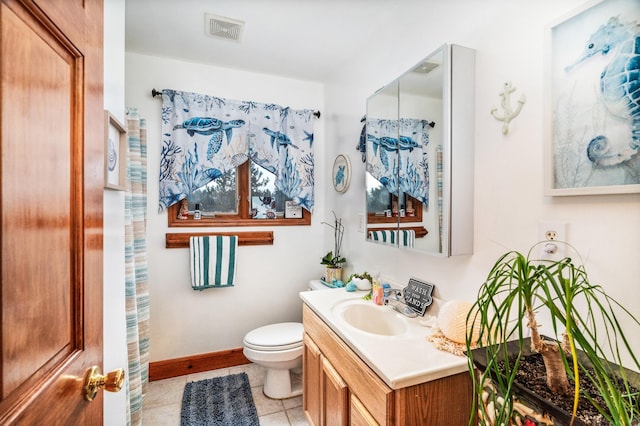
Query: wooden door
51, 201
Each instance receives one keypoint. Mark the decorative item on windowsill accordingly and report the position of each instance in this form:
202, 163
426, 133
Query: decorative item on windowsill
583, 378
183, 213
334, 260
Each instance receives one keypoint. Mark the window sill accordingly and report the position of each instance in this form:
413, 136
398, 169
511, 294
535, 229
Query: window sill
221, 221
232, 220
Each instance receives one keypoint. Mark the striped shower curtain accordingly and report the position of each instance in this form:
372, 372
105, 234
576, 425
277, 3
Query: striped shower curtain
136, 285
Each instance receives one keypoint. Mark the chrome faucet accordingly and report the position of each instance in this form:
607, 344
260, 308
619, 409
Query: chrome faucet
396, 292
393, 299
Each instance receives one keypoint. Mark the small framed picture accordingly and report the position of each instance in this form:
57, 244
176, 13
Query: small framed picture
115, 153
341, 173
292, 210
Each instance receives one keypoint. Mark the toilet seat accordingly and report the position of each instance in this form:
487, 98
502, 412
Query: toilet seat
275, 337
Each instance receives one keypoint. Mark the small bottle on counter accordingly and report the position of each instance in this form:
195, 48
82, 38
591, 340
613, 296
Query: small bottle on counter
385, 289
196, 213
377, 291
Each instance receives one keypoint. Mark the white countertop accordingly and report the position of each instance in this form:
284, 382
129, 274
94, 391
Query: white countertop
400, 361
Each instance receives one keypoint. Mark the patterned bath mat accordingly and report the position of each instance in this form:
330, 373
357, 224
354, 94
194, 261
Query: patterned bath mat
220, 401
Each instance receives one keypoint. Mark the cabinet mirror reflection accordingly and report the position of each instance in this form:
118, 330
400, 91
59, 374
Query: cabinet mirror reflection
411, 126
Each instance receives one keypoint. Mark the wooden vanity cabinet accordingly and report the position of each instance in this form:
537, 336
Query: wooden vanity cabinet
358, 414
325, 394
311, 377
335, 394
340, 389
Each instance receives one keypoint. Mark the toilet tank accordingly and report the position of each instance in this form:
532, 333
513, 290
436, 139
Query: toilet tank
318, 285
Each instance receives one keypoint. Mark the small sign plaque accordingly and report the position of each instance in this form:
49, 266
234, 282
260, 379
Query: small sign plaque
417, 295
292, 210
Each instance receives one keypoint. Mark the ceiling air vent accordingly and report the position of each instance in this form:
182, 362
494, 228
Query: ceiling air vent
222, 27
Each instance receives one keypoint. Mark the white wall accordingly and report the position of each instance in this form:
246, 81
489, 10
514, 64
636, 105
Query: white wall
186, 322
508, 37
114, 316
509, 202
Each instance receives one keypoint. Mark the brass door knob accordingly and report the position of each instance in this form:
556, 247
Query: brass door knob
95, 381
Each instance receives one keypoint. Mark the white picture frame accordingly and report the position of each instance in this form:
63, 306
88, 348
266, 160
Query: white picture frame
341, 174
115, 153
580, 118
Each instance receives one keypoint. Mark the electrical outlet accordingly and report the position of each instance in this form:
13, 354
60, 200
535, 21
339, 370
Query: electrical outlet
552, 234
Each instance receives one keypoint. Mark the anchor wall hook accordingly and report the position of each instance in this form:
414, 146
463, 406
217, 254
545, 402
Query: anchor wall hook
509, 113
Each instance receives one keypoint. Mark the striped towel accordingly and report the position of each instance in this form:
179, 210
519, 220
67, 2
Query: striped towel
212, 261
384, 236
405, 237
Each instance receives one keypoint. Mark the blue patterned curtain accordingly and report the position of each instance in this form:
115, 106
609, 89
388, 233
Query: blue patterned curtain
136, 283
204, 137
397, 155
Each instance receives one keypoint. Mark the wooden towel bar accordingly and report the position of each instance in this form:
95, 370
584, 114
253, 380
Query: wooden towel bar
257, 238
420, 231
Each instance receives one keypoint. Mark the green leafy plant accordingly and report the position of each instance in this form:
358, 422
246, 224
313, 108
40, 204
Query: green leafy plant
583, 319
365, 275
334, 258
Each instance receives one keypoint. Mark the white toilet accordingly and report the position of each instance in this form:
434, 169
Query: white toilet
278, 348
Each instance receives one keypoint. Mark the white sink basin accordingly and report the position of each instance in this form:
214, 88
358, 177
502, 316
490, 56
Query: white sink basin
370, 318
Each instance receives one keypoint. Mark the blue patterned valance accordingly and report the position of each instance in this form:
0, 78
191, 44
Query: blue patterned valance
204, 137
397, 155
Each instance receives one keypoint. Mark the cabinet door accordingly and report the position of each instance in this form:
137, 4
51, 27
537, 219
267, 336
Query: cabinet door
335, 404
359, 414
312, 370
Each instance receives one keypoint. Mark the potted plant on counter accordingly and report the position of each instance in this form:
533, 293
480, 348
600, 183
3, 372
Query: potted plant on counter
334, 261
583, 381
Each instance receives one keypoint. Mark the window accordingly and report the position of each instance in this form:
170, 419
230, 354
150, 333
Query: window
384, 207
244, 197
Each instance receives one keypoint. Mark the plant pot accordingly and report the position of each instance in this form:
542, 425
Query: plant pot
331, 273
531, 408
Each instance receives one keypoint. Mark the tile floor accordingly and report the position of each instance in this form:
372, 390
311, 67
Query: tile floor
161, 406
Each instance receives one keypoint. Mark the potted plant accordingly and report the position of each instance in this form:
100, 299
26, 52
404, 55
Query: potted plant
334, 260
582, 359
362, 281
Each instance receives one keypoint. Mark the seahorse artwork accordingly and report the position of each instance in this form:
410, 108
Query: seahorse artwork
619, 86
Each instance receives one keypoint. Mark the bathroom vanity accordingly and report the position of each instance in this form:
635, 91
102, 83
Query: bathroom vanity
365, 364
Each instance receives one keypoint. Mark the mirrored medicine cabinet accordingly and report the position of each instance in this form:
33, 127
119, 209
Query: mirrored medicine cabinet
420, 156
